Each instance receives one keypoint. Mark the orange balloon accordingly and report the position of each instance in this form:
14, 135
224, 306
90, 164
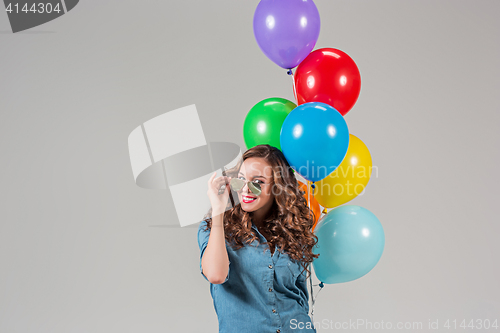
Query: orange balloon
312, 203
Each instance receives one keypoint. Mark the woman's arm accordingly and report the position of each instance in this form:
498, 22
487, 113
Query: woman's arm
215, 261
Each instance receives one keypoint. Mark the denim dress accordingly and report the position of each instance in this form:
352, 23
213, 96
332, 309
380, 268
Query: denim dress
262, 292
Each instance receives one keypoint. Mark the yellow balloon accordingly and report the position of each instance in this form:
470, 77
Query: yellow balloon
349, 179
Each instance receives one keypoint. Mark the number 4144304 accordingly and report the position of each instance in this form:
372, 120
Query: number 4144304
36, 8
472, 324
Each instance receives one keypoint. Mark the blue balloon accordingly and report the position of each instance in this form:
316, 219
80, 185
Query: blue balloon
314, 139
350, 243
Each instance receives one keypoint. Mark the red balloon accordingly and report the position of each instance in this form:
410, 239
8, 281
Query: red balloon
329, 76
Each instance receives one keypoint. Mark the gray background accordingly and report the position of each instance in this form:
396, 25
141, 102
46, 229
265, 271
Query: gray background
83, 249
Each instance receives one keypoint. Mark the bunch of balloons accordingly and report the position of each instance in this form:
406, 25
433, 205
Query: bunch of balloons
313, 135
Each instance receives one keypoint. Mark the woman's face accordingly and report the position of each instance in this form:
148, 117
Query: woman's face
257, 170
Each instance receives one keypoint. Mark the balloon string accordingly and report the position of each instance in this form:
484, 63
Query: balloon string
313, 187
312, 298
321, 285
309, 194
290, 72
310, 276
309, 204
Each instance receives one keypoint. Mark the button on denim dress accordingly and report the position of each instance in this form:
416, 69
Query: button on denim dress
262, 292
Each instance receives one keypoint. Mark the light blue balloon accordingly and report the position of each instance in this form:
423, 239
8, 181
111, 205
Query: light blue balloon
314, 139
350, 243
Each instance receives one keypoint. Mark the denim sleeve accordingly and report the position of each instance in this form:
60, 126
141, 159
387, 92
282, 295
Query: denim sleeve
203, 236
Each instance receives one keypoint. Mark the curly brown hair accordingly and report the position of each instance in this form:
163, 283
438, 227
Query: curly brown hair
290, 219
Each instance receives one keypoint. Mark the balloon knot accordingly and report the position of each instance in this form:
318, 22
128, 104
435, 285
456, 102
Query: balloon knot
313, 186
321, 285
289, 72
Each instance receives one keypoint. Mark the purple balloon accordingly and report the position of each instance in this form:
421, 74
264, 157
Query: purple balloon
286, 30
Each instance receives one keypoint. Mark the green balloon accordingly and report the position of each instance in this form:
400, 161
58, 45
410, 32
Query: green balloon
264, 120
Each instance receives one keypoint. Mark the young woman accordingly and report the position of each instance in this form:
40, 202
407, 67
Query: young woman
256, 253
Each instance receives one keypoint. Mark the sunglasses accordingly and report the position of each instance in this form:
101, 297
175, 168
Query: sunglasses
237, 184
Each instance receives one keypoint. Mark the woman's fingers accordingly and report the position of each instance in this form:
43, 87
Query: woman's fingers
211, 183
212, 177
216, 183
221, 180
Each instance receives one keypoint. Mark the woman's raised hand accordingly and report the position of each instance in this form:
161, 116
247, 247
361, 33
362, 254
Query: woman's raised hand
218, 201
